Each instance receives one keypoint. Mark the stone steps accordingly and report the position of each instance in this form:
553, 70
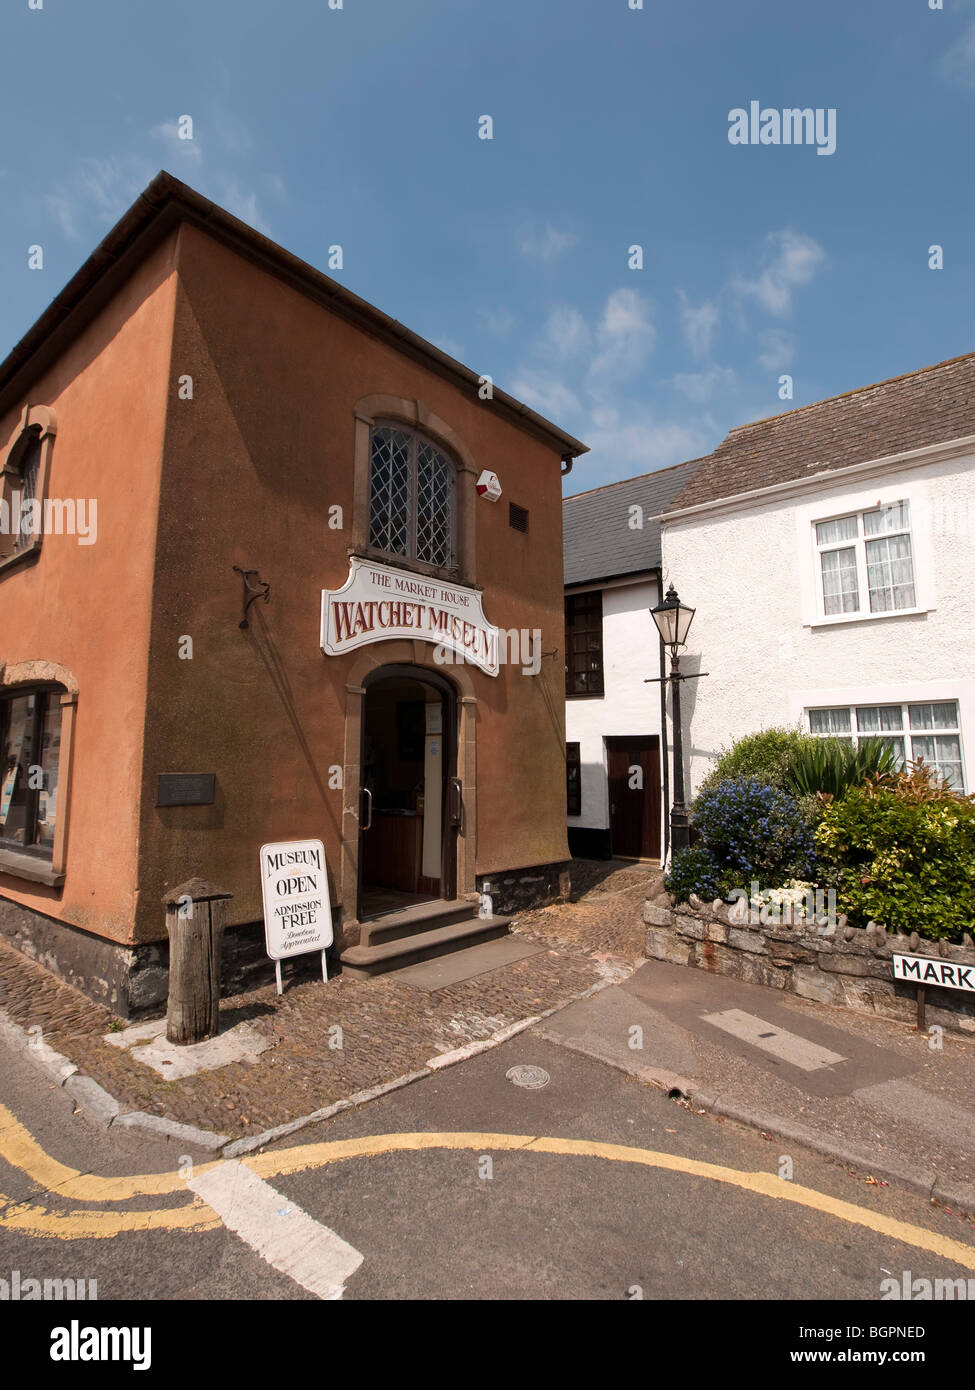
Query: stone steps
423, 939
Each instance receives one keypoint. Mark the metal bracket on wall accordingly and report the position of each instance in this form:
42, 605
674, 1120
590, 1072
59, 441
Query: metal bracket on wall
251, 591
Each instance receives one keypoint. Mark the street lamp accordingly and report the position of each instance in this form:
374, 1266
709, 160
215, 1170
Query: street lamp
673, 620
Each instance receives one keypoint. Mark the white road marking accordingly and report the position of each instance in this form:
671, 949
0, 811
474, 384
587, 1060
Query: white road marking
799, 1052
282, 1234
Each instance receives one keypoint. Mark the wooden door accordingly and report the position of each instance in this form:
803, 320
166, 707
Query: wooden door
634, 796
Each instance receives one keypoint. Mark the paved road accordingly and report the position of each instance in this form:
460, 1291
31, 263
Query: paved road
463, 1185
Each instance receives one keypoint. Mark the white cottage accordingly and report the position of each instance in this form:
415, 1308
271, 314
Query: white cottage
616, 753
829, 554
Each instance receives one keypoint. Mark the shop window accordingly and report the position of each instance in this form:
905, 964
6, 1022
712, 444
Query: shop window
30, 753
412, 498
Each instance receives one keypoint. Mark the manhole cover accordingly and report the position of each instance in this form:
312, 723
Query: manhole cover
532, 1077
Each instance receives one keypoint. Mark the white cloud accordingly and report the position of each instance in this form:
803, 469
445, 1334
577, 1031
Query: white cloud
699, 324
566, 333
103, 187
447, 344
189, 151
701, 386
792, 260
630, 441
497, 321
625, 335
777, 350
545, 394
959, 62
241, 203
544, 244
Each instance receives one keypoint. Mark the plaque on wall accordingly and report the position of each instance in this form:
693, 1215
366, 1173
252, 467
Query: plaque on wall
186, 789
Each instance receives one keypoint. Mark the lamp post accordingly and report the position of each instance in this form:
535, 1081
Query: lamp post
673, 620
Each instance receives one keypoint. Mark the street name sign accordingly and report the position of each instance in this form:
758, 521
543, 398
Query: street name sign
297, 908
923, 970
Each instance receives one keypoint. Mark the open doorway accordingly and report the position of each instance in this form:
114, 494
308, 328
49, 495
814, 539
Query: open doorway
409, 754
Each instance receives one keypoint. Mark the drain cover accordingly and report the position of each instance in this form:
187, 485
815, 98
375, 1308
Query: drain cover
534, 1078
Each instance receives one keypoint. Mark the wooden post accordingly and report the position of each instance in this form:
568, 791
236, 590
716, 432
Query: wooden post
195, 917
922, 1023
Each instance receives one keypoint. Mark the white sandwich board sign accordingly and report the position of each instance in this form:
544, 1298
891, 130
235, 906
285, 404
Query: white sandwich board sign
297, 908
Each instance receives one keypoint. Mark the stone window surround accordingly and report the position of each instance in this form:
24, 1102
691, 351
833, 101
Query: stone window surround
23, 675
379, 409
41, 422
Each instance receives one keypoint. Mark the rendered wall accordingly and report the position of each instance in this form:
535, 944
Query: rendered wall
253, 464
744, 572
87, 607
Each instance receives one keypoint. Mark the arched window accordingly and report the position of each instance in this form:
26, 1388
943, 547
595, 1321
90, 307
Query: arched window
412, 498
24, 481
23, 485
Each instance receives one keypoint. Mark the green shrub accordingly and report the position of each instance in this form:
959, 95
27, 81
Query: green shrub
831, 767
767, 756
749, 830
904, 855
756, 831
694, 870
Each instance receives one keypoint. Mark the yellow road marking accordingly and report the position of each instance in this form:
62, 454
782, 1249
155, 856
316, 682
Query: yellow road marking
18, 1147
763, 1184
21, 1150
96, 1225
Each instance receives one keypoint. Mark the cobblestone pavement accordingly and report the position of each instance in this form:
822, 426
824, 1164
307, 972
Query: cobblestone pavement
388, 1028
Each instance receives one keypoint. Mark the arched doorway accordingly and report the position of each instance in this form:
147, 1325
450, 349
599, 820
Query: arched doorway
410, 797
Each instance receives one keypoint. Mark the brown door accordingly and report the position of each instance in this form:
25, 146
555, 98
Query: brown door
634, 796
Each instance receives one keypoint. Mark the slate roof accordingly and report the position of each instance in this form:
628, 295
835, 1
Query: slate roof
597, 540
930, 406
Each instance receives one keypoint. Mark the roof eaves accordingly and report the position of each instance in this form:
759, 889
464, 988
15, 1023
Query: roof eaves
160, 207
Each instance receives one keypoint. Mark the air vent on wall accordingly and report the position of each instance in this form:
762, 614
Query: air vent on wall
517, 517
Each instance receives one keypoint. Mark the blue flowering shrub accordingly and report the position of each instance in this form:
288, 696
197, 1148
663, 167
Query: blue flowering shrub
747, 830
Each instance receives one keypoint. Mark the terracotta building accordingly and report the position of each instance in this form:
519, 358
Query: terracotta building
199, 422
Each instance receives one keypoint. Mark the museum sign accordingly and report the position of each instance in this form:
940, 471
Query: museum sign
378, 603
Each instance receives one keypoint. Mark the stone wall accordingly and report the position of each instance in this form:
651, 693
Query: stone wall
843, 965
518, 890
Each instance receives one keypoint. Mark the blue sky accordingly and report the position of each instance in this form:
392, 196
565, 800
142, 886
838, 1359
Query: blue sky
359, 127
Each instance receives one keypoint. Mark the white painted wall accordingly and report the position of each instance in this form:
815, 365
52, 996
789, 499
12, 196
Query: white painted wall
630, 656
749, 572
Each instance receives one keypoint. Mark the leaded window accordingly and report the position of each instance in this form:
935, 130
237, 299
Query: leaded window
412, 492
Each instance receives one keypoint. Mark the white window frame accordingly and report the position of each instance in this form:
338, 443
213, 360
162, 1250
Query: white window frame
959, 693
840, 505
